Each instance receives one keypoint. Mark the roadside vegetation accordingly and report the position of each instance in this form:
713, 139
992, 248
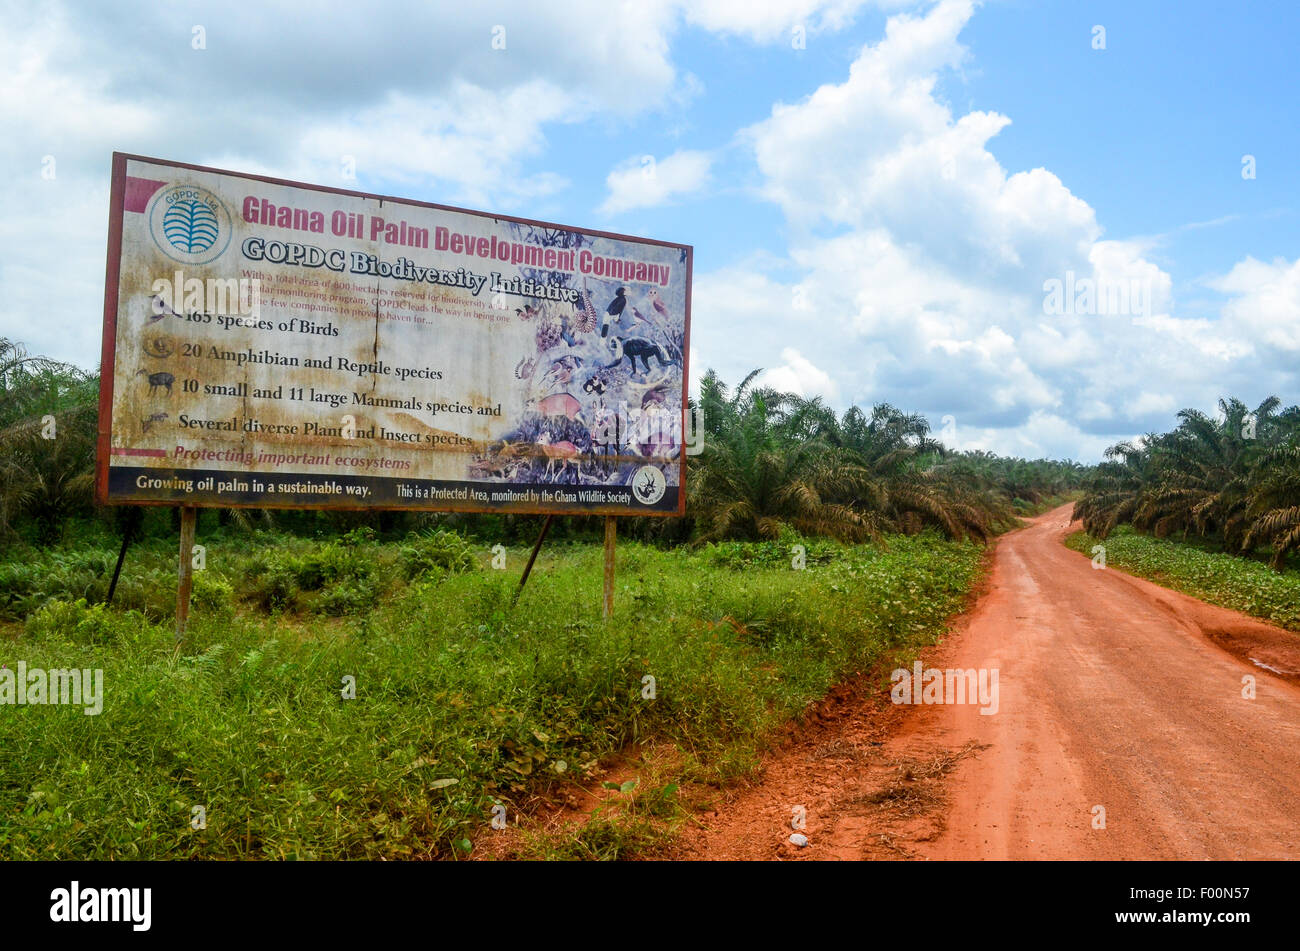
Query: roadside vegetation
461, 701
1246, 585
1232, 480
772, 459
772, 462
817, 545
45, 483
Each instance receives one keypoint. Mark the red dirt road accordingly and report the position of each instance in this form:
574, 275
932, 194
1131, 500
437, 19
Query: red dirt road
1112, 692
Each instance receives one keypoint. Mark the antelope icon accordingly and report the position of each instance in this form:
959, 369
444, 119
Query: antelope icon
156, 380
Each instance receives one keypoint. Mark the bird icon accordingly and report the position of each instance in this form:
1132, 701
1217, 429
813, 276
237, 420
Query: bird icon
614, 311
657, 303
159, 308
561, 371
640, 317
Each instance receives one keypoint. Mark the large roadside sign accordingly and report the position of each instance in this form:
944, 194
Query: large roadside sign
280, 345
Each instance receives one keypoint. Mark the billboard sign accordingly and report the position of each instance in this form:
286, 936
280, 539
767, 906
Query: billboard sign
280, 345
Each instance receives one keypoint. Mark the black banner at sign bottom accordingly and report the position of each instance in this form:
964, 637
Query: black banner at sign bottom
219, 488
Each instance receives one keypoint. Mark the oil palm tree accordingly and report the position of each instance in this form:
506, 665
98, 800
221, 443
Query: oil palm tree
753, 477
1202, 472
47, 439
1274, 503
895, 482
1117, 487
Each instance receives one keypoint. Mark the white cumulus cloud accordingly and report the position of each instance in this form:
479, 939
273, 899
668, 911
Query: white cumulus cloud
644, 181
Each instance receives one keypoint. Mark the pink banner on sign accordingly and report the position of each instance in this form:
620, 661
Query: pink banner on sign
138, 193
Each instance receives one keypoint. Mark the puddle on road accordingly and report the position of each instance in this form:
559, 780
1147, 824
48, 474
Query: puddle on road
1260, 663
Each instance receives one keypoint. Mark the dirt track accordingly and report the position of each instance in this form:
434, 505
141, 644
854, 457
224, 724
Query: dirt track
1112, 692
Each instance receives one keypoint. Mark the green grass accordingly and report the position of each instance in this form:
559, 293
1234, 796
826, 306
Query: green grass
461, 701
1230, 581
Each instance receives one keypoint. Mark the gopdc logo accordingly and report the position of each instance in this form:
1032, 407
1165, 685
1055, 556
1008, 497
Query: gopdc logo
189, 224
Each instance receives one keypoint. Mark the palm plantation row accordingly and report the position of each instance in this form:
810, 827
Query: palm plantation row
774, 459
771, 459
1233, 478
775, 462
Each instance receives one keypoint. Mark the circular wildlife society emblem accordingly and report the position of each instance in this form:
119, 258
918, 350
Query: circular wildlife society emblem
648, 485
189, 224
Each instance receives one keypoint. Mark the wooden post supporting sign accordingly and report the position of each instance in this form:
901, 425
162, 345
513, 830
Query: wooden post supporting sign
185, 579
528, 568
133, 517
610, 529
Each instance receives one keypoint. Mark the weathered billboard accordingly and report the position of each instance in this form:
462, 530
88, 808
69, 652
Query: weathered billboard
274, 344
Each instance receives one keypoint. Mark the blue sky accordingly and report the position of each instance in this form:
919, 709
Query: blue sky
874, 215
